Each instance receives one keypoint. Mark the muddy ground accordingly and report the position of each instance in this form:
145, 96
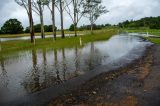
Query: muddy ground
135, 85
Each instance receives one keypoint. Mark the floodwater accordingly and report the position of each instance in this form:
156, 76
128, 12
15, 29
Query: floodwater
38, 71
28, 37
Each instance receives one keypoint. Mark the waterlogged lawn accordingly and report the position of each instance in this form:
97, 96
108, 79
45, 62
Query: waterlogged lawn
10, 47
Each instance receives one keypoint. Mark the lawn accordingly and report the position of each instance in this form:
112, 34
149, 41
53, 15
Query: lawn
154, 40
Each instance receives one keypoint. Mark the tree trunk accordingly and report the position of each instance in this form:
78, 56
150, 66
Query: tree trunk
61, 14
31, 22
91, 28
53, 19
75, 29
75, 17
42, 22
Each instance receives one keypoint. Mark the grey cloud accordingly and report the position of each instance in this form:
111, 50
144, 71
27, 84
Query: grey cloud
120, 10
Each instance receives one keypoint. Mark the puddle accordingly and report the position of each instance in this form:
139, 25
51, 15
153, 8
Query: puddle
37, 70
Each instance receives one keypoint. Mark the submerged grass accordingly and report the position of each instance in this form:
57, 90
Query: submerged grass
10, 47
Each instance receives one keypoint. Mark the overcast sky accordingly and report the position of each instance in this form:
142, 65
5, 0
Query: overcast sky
120, 10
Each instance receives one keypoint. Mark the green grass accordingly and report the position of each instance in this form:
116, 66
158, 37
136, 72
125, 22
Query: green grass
154, 40
10, 47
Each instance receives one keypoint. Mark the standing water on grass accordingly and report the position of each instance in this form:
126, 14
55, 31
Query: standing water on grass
34, 70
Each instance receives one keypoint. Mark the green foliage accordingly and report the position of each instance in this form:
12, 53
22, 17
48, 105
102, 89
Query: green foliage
12, 26
37, 28
150, 22
93, 9
1, 32
154, 40
71, 28
48, 28
27, 30
95, 27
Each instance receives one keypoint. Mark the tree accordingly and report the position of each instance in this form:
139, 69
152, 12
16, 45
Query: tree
27, 30
93, 10
37, 28
12, 26
0, 31
48, 28
71, 28
52, 10
31, 22
74, 9
61, 17
28, 7
38, 9
147, 22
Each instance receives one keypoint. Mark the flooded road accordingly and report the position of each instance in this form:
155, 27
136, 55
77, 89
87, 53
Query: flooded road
28, 37
37, 74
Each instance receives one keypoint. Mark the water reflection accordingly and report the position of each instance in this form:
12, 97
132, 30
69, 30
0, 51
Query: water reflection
57, 67
77, 62
3, 80
42, 75
3, 75
64, 64
39, 69
32, 83
94, 58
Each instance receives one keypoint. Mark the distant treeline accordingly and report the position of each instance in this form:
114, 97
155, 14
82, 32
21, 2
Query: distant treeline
37, 28
150, 22
88, 27
14, 26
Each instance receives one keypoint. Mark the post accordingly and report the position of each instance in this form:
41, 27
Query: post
80, 41
147, 34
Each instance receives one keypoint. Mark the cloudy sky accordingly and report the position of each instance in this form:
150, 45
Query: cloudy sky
120, 10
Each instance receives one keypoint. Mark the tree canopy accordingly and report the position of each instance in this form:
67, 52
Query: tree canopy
150, 22
12, 26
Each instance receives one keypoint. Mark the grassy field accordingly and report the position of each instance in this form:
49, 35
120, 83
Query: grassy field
9, 47
37, 34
